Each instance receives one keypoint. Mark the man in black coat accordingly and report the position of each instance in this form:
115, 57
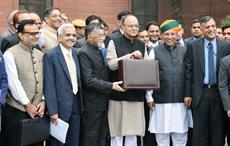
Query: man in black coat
95, 88
202, 64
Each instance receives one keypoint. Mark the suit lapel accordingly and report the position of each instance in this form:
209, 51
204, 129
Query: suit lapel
74, 53
200, 53
62, 61
219, 52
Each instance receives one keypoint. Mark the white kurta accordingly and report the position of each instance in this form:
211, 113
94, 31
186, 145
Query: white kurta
170, 117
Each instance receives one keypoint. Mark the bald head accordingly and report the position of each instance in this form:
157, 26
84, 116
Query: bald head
37, 19
130, 26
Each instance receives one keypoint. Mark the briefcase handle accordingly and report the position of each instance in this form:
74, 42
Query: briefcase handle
137, 58
36, 120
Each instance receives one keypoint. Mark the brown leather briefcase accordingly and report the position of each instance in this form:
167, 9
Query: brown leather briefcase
139, 74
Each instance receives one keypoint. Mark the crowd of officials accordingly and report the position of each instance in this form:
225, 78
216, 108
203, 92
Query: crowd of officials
68, 70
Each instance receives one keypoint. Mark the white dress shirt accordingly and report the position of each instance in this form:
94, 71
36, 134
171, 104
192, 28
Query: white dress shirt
14, 83
71, 67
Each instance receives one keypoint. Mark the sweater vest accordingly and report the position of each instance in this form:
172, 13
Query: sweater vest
125, 46
30, 74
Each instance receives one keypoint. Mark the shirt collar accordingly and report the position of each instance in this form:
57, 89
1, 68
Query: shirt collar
206, 42
65, 51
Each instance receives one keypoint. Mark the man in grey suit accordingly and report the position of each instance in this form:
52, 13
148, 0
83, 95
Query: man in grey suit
224, 77
62, 84
202, 64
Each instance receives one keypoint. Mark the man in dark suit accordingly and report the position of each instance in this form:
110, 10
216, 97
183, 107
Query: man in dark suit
12, 40
96, 88
62, 84
195, 31
224, 77
202, 64
3, 92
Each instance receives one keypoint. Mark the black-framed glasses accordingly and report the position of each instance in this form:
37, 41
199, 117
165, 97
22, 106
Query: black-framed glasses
32, 33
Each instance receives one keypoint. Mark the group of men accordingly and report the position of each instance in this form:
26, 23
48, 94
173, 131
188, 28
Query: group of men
47, 70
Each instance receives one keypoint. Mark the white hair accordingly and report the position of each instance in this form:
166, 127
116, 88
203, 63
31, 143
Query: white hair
61, 29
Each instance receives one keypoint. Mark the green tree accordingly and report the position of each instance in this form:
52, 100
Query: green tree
225, 21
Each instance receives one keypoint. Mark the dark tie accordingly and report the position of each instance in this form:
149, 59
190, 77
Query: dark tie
211, 67
104, 52
149, 48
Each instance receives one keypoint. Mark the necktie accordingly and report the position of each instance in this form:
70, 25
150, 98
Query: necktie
72, 72
103, 52
149, 48
211, 67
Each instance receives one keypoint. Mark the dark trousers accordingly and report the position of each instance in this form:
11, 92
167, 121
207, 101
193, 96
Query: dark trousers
73, 133
12, 118
208, 119
94, 128
227, 127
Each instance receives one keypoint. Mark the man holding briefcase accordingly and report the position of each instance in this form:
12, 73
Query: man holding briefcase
126, 110
25, 76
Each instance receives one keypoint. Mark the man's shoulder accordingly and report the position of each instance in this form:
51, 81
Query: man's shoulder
53, 51
224, 43
15, 47
226, 59
85, 50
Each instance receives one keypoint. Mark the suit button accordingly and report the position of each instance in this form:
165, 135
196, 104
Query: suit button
35, 72
37, 82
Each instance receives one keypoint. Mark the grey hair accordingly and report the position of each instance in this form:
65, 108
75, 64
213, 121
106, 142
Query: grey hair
92, 28
61, 29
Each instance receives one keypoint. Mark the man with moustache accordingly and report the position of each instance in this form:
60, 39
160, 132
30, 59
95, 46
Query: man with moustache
126, 110
195, 31
168, 116
12, 40
24, 68
53, 20
226, 32
96, 88
201, 91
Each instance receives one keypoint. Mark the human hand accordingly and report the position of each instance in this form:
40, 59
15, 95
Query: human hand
54, 118
187, 101
228, 113
31, 110
116, 86
41, 108
151, 105
136, 54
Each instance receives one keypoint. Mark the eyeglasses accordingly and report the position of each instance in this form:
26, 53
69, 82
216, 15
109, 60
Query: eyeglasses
97, 34
32, 33
132, 26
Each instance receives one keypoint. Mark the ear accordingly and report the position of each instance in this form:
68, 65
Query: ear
59, 38
46, 19
122, 27
20, 35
